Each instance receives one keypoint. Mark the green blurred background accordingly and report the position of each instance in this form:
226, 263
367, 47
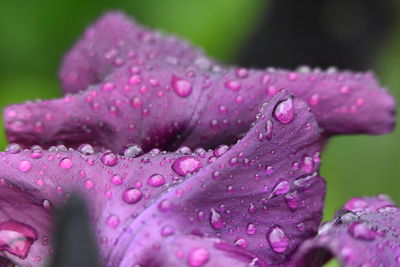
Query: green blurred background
35, 35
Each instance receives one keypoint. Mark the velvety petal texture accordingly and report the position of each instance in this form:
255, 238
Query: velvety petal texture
364, 233
133, 85
253, 202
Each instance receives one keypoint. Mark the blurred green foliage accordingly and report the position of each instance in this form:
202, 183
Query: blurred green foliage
36, 34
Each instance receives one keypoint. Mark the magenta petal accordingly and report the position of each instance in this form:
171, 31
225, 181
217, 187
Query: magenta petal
261, 195
198, 251
366, 237
144, 87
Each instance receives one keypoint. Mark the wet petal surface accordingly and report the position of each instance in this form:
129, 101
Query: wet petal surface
259, 198
134, 85
365, 236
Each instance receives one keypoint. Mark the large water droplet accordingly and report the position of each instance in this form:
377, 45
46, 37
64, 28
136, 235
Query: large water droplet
281, 187
17, 238
133, 151
198, 257
186, 165
181, 87
284, 111
277, 239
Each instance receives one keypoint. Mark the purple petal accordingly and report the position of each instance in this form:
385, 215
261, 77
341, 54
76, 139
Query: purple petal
143, 87
262, 194
366, 236
197, 251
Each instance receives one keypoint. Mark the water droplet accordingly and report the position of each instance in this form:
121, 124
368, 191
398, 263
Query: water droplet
308, 164
65, 163
181, 87
281, 187
198, 257
132, 195
233, 85
109, 159
86, 149
24, 166
113, 221
186, 165
17, 238
156, 180
220, 150
292, 200
251, 229
269, 126
269, 170
116, 179
47, 205
284, 111
314, 99
360, 230
167, 230
133, 151
277, 239
216, 220
242, 73
108, 86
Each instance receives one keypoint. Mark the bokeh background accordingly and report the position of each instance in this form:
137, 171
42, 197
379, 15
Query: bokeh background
355, 34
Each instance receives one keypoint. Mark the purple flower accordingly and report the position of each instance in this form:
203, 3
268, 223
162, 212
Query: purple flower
257, 200
127, 84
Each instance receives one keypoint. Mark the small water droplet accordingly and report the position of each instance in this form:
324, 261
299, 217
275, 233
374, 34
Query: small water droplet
360, 230
133, 151
66, 163
269, 126
109, 159
86, 149
281, 187
116, 179
198, 257
233, 85
132, 195
113, 221
220, 150
156, 180
251, 229
216, 220
24, 166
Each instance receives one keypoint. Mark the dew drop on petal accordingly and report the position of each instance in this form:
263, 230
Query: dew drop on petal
251, 229
186, 165
24, 166
284, 111
181, 87
277, 239
156, 180
233, 85
116, 179
109, 159
66, 163
113, 221
269, 127
216, 220
360, 230
281, 187
198, 257
132, 195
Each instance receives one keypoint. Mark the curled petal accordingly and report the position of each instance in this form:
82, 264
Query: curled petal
141, 86
364, 237
262, 195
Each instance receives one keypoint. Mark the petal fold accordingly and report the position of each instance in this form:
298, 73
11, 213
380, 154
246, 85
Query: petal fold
134, 85
367, 235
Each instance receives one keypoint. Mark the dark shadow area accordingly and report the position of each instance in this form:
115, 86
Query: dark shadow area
74, 243
347, 34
